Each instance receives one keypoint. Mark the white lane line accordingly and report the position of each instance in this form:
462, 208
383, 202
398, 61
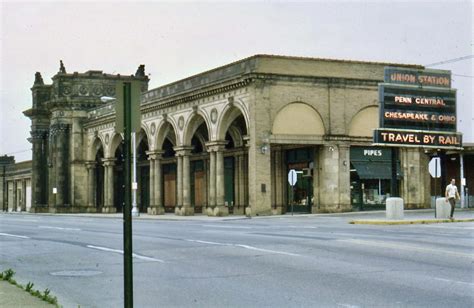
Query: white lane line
13, 235
205, 242
59, 228
227, 227
247, 247
121, 252
268, 250
454, 281
347, 305
406, 247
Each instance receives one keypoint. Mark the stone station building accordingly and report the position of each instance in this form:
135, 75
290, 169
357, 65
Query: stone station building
221, 142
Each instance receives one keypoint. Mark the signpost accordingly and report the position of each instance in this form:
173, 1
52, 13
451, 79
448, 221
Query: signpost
292, 179
128, 121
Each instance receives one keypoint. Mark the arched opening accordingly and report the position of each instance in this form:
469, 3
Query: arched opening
119, 179
98, 196
166, 141
234, 128
198, 162
143, 173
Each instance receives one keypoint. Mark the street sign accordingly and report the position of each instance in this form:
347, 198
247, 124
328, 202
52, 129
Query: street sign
292, 177
133, 98
434, 167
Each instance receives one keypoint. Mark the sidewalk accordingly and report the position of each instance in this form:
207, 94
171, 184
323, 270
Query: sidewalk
13, 296
410, 216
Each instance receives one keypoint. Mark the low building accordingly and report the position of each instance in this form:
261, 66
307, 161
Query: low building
222, 142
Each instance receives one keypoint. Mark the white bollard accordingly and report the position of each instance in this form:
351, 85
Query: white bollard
394, 208
443, 208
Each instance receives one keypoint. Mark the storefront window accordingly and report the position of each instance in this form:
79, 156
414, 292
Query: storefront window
371, 172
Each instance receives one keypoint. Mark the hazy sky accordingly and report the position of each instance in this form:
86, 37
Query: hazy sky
178, 39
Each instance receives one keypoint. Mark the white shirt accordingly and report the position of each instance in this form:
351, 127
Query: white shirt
451, 190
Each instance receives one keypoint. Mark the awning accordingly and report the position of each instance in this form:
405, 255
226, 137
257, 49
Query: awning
373, 170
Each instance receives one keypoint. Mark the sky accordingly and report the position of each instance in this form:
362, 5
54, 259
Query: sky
177, 39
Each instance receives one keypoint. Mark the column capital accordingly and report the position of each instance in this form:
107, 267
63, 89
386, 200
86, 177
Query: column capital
91, 164
183, 150
110, 161
216, 146
154, 155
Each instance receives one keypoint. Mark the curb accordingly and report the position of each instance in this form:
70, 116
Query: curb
407, 222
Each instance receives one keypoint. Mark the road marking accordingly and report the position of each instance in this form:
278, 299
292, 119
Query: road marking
405, 247
228, 227
59, 228
347, 305
247, 247
13, 235
121, 252
455, 281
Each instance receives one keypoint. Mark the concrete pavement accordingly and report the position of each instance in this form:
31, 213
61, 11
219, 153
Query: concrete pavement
12, 296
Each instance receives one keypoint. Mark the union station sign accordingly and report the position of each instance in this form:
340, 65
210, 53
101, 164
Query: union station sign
417, 108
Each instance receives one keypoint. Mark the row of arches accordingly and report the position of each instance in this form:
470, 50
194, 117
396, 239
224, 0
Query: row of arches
173, 174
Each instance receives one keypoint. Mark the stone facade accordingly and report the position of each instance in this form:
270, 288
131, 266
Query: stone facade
215, 143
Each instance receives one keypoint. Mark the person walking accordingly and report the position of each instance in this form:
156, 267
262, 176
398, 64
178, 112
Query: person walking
451, 196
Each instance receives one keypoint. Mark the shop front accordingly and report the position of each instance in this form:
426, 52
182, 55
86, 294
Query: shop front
371, 173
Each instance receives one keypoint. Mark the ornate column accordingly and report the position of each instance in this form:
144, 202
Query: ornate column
217, 187
91, 166
109, 164
39, 176
212, 179
184, 182
62, 166
156, 186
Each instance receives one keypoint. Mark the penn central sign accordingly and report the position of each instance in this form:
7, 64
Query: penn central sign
417, 108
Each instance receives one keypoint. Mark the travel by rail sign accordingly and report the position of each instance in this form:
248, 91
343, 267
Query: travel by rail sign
417, 108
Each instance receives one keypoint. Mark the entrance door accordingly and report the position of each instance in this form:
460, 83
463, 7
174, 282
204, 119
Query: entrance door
301, 196
198, 188
169, 181
144, 189
229, 182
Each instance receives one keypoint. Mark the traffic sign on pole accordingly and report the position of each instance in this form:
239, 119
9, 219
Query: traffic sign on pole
434, 167
292, 177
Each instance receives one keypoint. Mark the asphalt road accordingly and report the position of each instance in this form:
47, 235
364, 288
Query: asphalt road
318, 261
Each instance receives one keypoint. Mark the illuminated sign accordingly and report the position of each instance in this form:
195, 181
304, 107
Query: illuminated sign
408, 107
389, 137
425, 78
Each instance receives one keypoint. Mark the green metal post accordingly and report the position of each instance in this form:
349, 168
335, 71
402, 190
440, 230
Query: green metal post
127, 211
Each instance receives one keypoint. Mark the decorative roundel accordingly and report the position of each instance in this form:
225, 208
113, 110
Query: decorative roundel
181, 122
110, 91
214, 115
97, 90
107, 139
82, 89
153, 129
67, 90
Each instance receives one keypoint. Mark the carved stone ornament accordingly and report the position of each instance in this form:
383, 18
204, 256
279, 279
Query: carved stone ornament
67, 90
181, 122
82, 90
214, 115
153, 129
110, 91
107, 139
97, 91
